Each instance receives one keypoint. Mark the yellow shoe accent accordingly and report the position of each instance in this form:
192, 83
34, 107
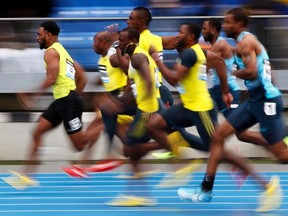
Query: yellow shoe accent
272, 198
131, 201
181, 176
176, 140
285, 140
19, 181
163, 155
124, 119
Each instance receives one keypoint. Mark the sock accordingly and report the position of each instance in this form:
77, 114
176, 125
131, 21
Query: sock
208, 182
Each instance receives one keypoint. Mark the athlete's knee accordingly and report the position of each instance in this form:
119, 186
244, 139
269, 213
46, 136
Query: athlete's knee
155, 123
79, 141
129, 152
283, 159
79, 146
217, 139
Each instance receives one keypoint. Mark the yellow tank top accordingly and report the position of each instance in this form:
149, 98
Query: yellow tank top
66, 76
146, 40
193, 87
145, 102
112, 78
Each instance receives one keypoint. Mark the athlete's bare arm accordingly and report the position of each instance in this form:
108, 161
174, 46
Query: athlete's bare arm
80, 77
215, 61
247, 49
172, 77
140, 62
223, 49
169, 42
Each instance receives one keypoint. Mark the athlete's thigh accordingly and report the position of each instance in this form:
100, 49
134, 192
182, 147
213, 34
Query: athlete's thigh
51, 115
70, 109
270, 116
205, 123
243, 117
43, 126
177, 116
234, 104
137, 132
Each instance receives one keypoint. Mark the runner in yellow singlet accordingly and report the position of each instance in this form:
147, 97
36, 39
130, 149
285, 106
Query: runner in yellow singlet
137, 144
67, 79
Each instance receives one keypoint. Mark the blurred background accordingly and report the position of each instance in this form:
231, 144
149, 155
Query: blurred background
22, 68
21, 60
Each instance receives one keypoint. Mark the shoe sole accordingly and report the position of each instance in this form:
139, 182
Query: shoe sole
105, 166
181, 177
72, 172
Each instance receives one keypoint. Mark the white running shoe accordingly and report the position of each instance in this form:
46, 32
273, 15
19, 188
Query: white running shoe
20, 181
272, 198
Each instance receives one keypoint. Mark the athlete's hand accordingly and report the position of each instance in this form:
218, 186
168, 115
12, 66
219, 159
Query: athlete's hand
227, 98
155, 56
112, 28
25, 100
112, 31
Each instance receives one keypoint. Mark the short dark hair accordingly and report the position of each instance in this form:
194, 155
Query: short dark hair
51, 27
240, 15
145, 14
132, 33
194, 28
214, 22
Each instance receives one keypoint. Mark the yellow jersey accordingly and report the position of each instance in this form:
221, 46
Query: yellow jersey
145, 102
112, 77
146, 40
193, 87
66, 77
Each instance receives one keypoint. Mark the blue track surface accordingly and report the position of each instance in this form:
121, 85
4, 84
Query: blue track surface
59, 194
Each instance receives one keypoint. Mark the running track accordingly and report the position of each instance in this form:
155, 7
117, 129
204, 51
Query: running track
59, 194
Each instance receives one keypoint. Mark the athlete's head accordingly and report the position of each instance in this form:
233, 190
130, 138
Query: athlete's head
101, 43
128, 40
235, 21
47, 34
139, 18
188, 34
210, 29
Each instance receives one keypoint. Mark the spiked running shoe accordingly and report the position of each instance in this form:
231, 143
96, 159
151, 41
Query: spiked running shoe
105, 165
75, 172
131, 201
272, 198
238, 177
20, 181
180, 177
163, 155
195, 194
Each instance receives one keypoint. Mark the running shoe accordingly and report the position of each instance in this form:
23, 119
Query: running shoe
20, 181
195, 194
131, 201
272, 198
75, 171
181, 177
163, 155
285, 140
104, 166
238, 177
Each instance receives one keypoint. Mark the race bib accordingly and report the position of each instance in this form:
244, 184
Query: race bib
70, 70
270, 108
